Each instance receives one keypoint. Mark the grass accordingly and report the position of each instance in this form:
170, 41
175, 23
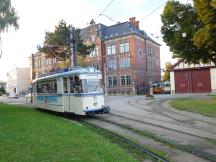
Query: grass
203, 106
29, 135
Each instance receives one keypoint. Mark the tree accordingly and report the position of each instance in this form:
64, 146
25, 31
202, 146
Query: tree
205, 37
2, 91
213, 3
179, 26
57, 44
8, 16
166, 75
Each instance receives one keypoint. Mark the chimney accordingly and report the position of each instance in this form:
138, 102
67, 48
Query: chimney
134, 22
137, 24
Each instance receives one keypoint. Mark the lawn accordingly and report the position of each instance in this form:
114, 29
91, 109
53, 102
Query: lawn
203, 106
30, 135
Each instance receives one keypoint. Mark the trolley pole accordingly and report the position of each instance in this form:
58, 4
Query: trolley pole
73, 46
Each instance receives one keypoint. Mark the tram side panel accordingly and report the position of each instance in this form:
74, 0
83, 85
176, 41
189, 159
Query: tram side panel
49, 102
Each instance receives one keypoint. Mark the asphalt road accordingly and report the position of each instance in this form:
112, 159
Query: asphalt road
156, 116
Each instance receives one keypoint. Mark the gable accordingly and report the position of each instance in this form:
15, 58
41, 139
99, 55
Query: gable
184, 65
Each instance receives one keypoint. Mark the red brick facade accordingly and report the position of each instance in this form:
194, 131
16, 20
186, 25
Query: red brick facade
129, 62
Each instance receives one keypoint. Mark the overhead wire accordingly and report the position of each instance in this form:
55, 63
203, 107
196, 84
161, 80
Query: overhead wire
104, 9
153, 11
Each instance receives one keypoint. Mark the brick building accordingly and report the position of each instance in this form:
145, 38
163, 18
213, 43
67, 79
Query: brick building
41, 65
128, 58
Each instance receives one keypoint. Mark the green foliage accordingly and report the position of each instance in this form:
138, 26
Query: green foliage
177, 19
8, 16
60, 36
166, 75
29, 135
205, 37
57, 43
2, 90
213, 3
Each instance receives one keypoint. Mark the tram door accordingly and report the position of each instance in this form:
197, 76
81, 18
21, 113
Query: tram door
75, 101
66, 97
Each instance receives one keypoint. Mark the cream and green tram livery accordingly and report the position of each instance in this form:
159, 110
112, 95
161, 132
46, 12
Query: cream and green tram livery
76, 90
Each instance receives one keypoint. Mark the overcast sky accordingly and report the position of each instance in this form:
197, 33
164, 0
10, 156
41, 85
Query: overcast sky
39, 16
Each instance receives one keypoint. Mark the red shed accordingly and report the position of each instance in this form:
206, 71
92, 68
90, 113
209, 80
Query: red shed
193, 78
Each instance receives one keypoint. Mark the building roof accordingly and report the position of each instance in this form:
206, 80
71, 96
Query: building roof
114, 31
122, 29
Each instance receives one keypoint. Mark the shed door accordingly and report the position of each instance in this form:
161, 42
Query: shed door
201, 81
182, 81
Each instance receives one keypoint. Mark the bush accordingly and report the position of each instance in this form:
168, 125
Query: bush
148, 95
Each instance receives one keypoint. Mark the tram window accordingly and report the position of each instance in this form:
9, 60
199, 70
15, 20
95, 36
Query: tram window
75, 85
84, 86
39, 88
65, 85
72, 85
54, 86
46, 87
78, 85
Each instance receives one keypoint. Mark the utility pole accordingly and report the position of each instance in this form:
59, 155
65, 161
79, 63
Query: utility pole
73, 46
0, 46
33, 75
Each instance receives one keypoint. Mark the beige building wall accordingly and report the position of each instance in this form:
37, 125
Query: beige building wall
41, 65
213, 79
172, 82
18, 78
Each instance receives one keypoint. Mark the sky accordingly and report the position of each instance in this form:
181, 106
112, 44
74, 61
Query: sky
40, 16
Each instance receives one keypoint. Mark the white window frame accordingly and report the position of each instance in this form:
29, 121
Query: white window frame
94, 53
125, 63
124, 47
111, 50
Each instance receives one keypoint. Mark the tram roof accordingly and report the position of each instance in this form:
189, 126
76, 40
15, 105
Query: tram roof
70, 71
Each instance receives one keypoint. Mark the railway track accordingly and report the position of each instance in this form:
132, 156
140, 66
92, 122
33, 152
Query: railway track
159, 126
85, 120
162, 112
144, 150
198, 151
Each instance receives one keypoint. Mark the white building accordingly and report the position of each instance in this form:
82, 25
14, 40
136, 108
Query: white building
193, 78
18, 81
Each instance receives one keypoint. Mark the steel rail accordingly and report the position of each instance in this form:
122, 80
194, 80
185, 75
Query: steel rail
129, 142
